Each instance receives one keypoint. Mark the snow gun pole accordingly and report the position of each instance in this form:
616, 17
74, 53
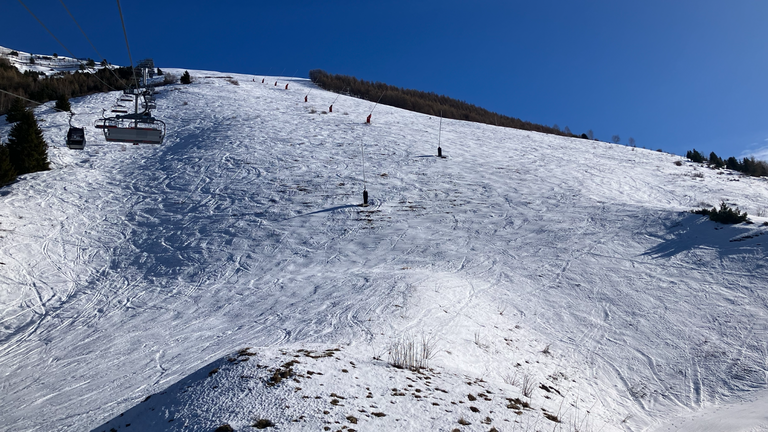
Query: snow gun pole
294, 74
362, 158
307, 95
330, 108
439, 131
368, 119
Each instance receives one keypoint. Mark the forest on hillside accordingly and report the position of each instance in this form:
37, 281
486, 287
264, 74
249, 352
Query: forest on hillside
423, 102
39, 88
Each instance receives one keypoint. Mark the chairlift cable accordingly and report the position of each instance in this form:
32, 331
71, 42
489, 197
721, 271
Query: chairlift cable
89, 41
62, 45
46, 29
34, 102
125, 33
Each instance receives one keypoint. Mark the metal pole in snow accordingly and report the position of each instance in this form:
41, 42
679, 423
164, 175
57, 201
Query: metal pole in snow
377, 102
362, 157
330, 108
439, 132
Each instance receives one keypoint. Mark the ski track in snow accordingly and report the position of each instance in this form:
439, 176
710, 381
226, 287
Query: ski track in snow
126, 268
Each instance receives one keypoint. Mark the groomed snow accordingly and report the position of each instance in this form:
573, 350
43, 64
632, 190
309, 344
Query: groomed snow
130, 271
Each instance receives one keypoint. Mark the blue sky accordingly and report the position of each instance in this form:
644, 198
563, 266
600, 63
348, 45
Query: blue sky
673, 75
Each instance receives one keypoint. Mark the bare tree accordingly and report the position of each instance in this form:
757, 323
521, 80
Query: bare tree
590, 134
567, 130
631, 141
556, 127
615, 139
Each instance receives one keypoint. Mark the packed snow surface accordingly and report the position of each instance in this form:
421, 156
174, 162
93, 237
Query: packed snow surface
197, 272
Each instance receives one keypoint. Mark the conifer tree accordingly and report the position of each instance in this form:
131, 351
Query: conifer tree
15, 111
185, 78
62, 103
716, 160
27, 149
733, 164
7, 172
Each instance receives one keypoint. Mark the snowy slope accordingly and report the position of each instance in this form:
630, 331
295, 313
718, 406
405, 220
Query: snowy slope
46, 64
129, 271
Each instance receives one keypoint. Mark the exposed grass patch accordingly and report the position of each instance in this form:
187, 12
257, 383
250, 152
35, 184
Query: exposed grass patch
408, 352
281, 373
263, 424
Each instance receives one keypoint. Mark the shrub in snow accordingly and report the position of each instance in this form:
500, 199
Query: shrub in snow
185, 78
725, 215
170, 78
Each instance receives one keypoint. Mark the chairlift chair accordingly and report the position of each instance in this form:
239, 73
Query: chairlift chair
140, 128
75, 136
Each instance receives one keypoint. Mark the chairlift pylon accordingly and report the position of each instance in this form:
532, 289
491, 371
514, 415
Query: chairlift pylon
136, 128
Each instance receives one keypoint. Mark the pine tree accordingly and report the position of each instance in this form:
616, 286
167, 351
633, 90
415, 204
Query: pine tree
695, 156
7, 172
733, 164
16, 111
27, 149
715, 160
185, 78
62, 103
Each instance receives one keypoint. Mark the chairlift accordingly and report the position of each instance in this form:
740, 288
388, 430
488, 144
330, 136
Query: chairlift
75, 136
149, 102
139, 128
